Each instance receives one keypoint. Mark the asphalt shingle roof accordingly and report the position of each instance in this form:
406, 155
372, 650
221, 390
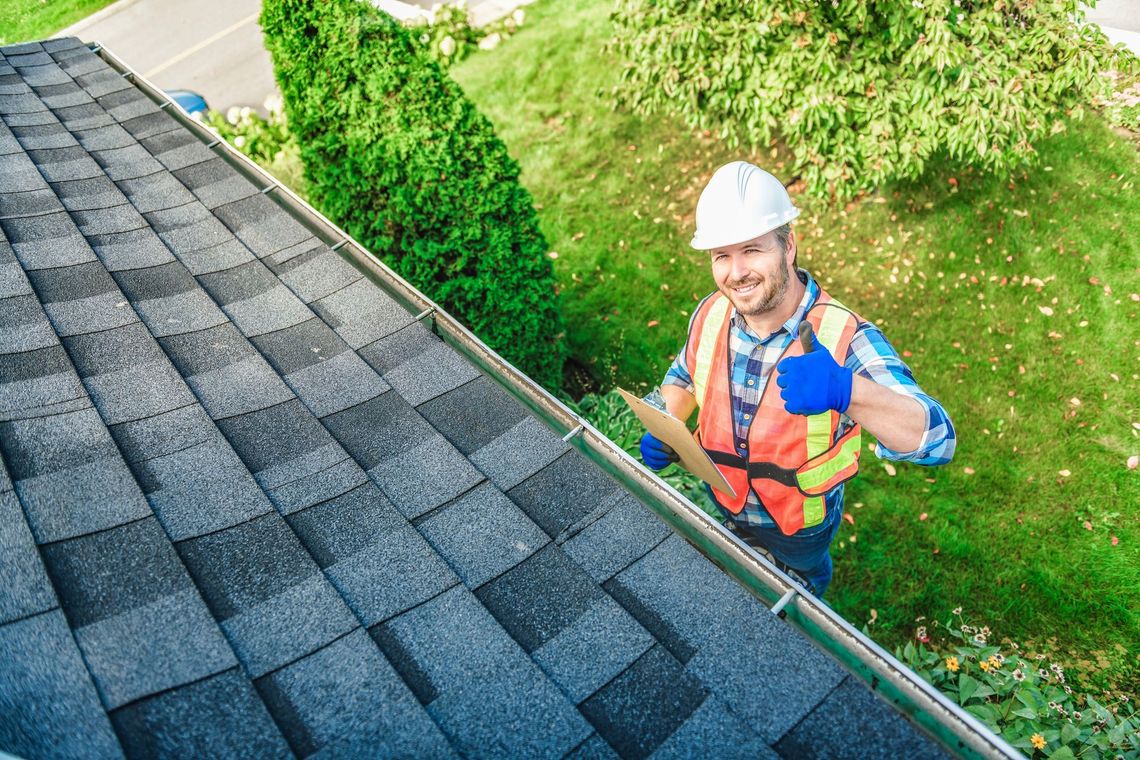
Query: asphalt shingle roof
249, 505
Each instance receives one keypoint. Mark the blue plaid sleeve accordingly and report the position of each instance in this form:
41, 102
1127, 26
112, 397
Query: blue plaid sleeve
872, 356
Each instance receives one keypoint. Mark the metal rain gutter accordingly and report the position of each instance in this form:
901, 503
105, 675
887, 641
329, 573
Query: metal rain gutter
957, 730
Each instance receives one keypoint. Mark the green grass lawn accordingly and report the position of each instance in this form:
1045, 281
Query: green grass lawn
33, 20
1014, 302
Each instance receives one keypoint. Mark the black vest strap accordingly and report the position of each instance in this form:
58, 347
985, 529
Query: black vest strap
755, 469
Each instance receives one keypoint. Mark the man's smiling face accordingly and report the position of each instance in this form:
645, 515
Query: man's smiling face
754, 274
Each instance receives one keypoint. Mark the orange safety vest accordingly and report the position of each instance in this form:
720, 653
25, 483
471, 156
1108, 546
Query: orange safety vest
791, 460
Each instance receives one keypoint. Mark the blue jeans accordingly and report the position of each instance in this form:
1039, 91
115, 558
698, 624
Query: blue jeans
806, 550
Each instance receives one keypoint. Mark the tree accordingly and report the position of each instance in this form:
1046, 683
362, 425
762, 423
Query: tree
865, 91
396, 154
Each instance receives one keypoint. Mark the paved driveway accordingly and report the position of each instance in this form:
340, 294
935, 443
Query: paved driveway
213, 47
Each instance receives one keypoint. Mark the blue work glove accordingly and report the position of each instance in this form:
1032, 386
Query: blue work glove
814, 383
655, 453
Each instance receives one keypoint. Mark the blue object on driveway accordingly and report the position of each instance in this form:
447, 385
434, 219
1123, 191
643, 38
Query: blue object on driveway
191, 102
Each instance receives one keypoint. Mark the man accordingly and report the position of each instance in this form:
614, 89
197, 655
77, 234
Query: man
783, 423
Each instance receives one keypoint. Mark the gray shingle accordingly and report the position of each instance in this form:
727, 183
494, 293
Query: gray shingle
23, 325
377, 561
347, 701
63, 164
637, 711
474, 414
221, 716
268, 594
314, 273
300, 346
621, 536
61, 46
130, 250
430, 473
201, 489
111, 137
674, 591
87, 194
336, 384
27, 590
102, 82
489, 698
361, 313
126, 104
189, 312
141, 625
32, 119
177, 149
262, 225
81, 63
108, 221
21, 48
292, 495
164, 433
282, 444
82, 299
21, 103
157, 192
435, 371
64, 460
150, 124
128, 163
378, 429
254, 299
215, 183
29, 203
13, 281
195, 236
126, 374
229, 253
39, 382
482, 534
853, 723
49, 704
44, 136
566, 491
51, 240
63, 95
36, 58
718, 732
594, 748
86, 116
18, 174
519, 453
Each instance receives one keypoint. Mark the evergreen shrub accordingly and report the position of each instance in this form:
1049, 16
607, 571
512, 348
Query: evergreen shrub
865, 91
398, 156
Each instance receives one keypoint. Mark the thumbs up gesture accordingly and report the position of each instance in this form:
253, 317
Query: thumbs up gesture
813, 383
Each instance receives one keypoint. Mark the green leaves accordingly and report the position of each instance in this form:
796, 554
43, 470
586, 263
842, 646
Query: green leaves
868, 92
397, 155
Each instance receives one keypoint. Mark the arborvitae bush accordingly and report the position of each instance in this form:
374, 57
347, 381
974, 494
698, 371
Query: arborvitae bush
865, 91
396, 154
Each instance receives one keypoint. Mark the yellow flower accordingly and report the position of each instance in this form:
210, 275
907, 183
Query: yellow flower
1038, 741
952, 664
994, 662
985, 666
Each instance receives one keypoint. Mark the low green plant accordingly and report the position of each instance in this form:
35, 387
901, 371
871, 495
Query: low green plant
448, 35
265, 139
866, 91
1023, 696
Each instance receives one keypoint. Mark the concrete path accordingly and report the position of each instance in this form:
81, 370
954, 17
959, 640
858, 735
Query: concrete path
1119, 20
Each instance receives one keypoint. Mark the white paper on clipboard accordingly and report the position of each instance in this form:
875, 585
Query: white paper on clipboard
672, 431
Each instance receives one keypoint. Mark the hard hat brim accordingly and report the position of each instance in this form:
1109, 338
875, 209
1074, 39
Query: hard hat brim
709, 240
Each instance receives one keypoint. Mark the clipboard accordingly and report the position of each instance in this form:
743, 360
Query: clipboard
672, 431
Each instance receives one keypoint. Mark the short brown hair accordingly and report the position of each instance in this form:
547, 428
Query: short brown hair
783, 235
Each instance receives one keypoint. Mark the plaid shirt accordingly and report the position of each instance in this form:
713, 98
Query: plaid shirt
869, 355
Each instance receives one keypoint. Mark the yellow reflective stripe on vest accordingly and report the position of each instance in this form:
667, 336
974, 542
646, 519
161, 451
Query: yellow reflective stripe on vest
813, 510
815, 477
819, 425
706, 345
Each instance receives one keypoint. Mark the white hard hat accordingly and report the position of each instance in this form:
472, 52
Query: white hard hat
740, 202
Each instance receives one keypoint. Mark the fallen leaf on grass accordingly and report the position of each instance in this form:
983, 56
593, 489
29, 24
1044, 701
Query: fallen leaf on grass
922, 516
890, 468
1115, 540
968, 470
848, 518
652, 323
1088, 525
1133, 462
1075, 401
874, 616
1045, 310
1064, 473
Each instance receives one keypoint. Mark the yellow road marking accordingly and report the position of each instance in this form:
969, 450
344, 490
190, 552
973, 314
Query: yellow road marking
204, 43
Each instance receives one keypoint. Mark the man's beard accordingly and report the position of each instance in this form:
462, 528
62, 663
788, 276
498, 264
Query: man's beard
769, 298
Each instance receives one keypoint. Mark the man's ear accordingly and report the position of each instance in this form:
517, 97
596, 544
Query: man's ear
792, 251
